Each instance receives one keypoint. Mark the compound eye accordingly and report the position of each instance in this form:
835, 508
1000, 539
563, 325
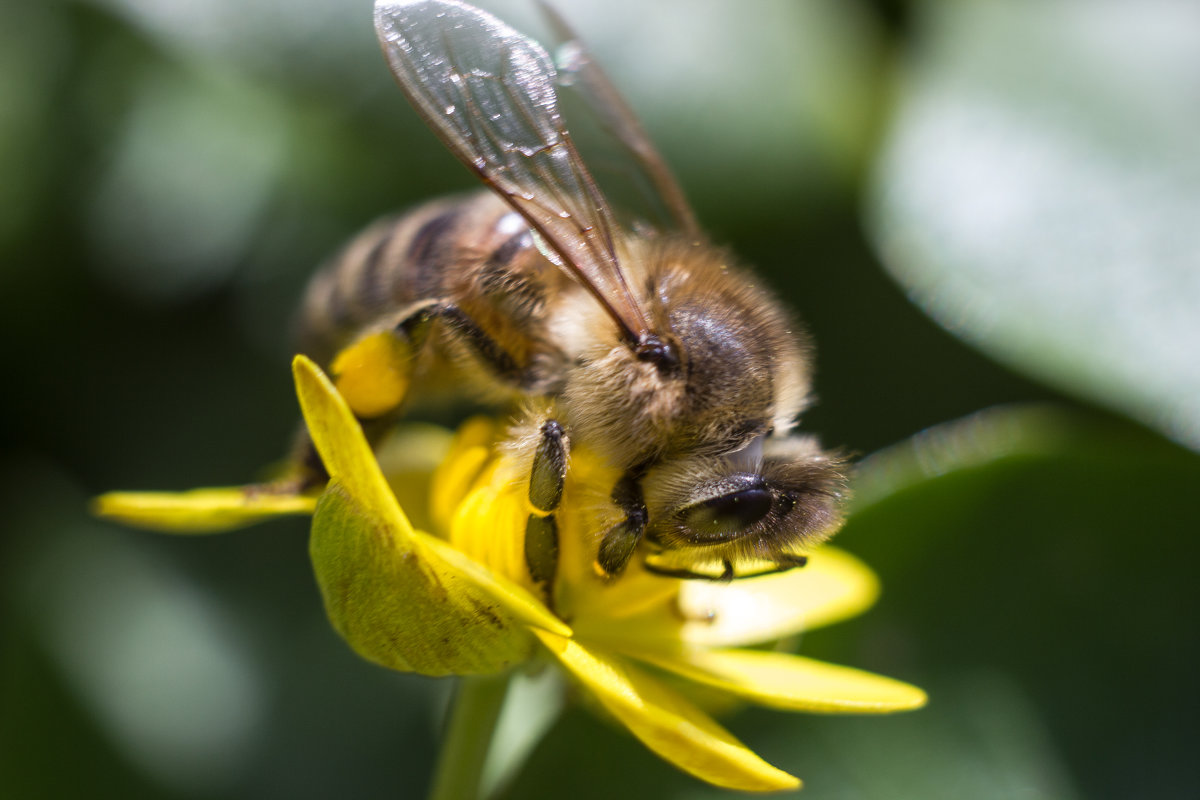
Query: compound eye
724, 517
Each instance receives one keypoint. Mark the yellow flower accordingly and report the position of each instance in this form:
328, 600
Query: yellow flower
459, 600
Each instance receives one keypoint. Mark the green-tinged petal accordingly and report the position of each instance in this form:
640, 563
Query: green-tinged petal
409, 602
515, 598
833, 586
666, 722
400, 598
790, 682
200, 510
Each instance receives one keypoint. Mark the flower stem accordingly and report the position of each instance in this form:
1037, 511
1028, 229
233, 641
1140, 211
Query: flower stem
468, 736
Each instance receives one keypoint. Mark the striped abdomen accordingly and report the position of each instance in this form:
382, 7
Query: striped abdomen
471, 251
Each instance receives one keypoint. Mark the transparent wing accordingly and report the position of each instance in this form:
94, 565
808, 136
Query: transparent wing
581, 73
488, 92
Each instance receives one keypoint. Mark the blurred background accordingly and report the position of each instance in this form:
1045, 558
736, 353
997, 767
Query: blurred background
985, 207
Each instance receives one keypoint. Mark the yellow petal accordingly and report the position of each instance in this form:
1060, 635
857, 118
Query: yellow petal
470, 451
200, 510
667, 723
599, 604
489, 526
339, 440
832, 587
790, 682
402, 599
408, 458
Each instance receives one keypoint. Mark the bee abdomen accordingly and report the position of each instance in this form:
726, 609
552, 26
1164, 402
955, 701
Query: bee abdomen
395, 262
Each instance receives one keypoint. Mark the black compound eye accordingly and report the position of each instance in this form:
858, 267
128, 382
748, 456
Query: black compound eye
725, 517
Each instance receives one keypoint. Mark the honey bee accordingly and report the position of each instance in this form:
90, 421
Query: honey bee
650, 348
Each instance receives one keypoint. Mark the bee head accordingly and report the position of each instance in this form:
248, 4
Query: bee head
763, 500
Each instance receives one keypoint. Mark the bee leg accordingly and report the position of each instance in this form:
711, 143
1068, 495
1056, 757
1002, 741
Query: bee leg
725, 576
373, 372
545, 494
622, 539
487, 349
784, 563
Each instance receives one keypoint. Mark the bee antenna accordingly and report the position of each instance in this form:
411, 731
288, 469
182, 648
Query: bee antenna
658, 352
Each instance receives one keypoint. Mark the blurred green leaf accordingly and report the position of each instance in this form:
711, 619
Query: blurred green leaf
1062, 561
265, 37
30, 49
983, 739
143, 648
181, 198
1040, 192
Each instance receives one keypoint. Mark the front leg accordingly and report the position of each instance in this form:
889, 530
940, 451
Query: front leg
620, 542
783, 562
546, 479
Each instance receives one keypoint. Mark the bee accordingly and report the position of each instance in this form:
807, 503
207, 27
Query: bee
648, 346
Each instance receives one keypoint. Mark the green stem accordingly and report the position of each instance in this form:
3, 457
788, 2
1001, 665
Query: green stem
468, 737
